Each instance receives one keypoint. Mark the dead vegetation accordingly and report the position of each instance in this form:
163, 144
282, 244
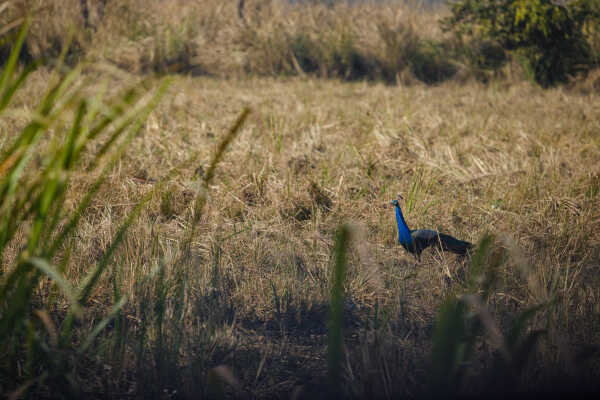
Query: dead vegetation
389, 41
517, 161
251, 290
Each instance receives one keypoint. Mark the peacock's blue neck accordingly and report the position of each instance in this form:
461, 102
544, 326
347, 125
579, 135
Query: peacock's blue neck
404, 236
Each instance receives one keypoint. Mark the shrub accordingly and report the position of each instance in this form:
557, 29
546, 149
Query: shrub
548, 36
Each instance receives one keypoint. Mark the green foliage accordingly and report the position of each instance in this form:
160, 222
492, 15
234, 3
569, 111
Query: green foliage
70, 131
430, 64
464, 322
35, 225
548, 36
453, 345
336, 310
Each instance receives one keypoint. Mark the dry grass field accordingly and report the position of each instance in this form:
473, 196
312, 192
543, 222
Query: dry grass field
237, 305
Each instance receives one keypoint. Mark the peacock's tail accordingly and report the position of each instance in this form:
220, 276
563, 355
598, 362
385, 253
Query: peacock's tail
454, 245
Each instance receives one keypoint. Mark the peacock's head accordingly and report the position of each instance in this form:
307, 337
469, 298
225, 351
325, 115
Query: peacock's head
395, 202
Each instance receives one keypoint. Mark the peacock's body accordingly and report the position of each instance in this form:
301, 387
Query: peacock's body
416, 241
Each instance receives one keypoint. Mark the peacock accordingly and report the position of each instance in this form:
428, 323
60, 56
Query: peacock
416, 241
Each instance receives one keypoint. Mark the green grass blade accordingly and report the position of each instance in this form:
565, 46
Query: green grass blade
11, 64
336, 311
101, 325
69, 154
45, 267
95, 274
11, 90
119, 104
451, 345
210, 173
233, 131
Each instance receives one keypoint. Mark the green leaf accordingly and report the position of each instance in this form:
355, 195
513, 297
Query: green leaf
101, 325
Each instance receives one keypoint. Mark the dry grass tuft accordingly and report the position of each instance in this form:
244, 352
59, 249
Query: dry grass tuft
517, 161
